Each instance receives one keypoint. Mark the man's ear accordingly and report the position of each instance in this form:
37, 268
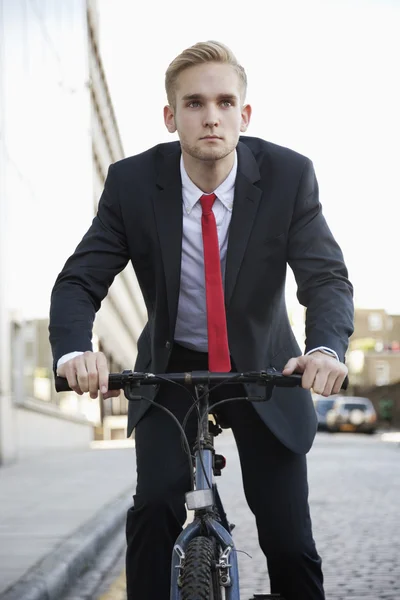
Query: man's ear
246, 116
169, 119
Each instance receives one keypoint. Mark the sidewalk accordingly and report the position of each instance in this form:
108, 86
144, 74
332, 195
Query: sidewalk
56, 512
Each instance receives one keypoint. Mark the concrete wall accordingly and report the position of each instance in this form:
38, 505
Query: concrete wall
55, 431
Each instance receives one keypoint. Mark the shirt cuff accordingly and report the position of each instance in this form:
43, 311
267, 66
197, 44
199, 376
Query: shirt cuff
66, 357
325, 350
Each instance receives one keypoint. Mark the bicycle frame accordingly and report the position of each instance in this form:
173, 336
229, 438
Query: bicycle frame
204, 517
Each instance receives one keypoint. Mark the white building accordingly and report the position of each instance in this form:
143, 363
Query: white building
58, 135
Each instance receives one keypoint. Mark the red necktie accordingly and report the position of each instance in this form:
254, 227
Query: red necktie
218, 351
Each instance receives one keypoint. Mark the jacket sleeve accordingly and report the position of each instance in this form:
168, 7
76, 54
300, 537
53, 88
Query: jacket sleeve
86, 276
321, 275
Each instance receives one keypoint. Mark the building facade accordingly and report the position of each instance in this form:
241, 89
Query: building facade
374, 353
58, 136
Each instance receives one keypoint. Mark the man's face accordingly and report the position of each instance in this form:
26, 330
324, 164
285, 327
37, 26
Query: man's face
208, 114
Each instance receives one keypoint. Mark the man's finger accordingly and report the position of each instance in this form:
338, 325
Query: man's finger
330, 382
74, 385
309, 374
62, 370
320, 381
111, 394
103, 372
93, 376
338, 383
71, 376
291, 366
81, 373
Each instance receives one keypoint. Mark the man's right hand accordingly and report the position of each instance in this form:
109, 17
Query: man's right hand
88, 373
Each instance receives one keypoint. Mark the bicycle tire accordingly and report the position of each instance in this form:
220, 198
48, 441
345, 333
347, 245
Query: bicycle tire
199, 578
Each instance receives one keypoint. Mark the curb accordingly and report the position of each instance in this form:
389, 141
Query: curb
390, 436
52, 576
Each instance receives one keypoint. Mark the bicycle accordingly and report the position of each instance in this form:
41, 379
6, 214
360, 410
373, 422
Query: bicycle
204, 561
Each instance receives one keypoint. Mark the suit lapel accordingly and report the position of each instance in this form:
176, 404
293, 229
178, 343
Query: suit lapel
168, 212
245, 206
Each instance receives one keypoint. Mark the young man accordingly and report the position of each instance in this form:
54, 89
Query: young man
238, 209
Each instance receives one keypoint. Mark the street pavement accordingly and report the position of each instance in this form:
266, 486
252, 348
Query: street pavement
354, 498
62, 518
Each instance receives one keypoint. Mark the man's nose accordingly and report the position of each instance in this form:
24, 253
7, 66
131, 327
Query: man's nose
211, 118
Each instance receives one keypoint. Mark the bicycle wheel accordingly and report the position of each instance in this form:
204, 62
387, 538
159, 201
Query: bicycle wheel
199, 577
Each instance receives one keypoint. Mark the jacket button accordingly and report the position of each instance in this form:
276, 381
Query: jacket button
168, 345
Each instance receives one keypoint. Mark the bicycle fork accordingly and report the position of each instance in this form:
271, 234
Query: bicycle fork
202, 501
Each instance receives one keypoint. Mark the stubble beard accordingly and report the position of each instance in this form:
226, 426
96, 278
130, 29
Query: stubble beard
207, 155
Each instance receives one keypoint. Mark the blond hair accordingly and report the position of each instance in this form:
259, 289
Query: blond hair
200, 53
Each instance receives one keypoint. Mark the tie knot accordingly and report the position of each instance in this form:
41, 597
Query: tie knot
207, 201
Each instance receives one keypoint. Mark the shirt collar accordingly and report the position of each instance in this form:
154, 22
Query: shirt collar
224, 192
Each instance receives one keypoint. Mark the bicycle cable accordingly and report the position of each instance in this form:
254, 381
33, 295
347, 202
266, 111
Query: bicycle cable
184, 422
183, 435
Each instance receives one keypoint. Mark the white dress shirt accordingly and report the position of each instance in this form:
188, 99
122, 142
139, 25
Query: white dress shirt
191, 322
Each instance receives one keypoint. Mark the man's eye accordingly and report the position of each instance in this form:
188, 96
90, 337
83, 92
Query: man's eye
194, 104
226, 103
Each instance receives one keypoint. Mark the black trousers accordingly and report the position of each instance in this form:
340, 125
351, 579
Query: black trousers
275, 485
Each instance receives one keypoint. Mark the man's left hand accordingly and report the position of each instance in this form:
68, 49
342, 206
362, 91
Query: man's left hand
321, 372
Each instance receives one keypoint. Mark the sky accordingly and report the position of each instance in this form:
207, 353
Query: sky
323, 80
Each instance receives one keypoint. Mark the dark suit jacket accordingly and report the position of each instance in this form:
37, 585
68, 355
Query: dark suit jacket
276, 220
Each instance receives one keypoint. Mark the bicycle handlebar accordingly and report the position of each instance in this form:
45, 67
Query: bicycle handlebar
117, 381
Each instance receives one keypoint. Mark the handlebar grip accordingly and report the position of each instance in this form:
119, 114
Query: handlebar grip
114, 383
61, 384
295, 380
288, 380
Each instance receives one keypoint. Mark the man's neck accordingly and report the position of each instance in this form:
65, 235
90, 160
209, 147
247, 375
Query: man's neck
208, 175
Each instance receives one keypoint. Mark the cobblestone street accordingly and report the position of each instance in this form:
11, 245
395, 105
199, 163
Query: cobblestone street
354, 497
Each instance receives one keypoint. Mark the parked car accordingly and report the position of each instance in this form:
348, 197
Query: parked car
322, 406
350, 413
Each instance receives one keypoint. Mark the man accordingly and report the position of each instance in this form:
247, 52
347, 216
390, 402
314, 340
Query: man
176, 211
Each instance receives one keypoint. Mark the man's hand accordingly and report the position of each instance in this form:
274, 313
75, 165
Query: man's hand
323, 373
88, 373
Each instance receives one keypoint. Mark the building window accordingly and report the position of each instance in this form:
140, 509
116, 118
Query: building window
382, 373
375, 322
